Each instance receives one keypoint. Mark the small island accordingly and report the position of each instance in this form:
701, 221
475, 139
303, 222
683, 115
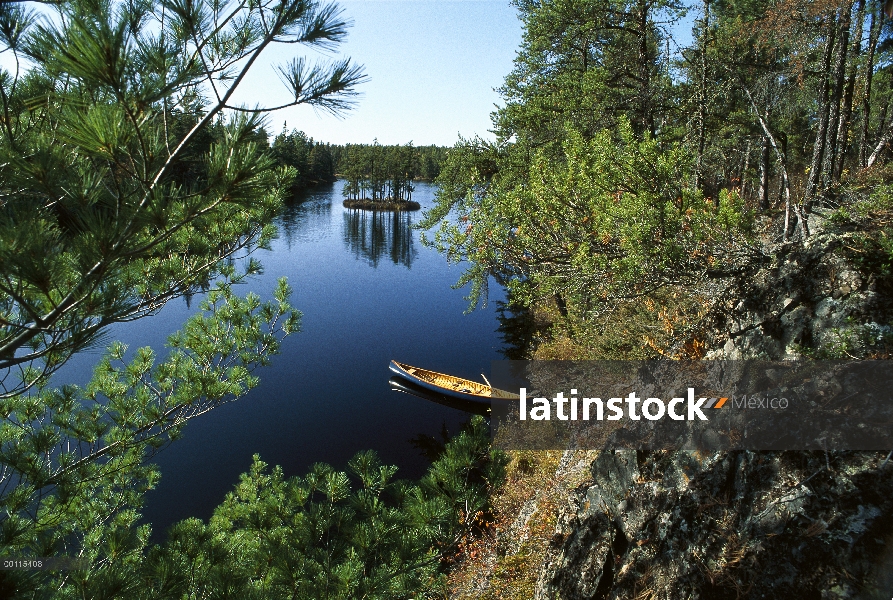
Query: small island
385, 204
380, 177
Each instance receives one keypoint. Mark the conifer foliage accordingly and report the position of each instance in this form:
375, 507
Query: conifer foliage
631, 167
116, 197
127, 176
330, 534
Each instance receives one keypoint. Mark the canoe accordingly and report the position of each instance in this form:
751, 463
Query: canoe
449, 385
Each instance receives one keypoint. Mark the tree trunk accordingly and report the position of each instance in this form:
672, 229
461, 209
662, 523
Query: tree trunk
873, 36
843, 126
782, 163
839, 76
885, 109
763, 195
743, 178
702, 96
645, 107
885, 133
881, 146
818, 149
783, 140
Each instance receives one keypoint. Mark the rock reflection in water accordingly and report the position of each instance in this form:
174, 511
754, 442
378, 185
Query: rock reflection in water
373, 235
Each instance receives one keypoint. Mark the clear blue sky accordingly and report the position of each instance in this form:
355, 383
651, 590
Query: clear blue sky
432, 66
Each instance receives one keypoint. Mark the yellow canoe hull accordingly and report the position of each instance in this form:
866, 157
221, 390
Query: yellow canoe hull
450, 385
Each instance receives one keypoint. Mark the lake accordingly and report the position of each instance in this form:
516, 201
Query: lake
369, 292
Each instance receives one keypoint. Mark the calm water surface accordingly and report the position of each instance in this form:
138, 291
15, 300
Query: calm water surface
369, 292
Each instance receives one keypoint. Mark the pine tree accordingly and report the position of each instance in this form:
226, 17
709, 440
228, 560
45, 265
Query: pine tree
114, 197
127, 176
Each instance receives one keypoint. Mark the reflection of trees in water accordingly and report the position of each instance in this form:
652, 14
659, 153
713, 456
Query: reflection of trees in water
431, 446
375, 234
516, 326
299, 219
306, 214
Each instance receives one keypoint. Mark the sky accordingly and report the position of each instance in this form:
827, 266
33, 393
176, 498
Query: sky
432, 69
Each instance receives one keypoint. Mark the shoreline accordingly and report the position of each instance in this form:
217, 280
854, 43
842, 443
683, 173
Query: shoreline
399, 205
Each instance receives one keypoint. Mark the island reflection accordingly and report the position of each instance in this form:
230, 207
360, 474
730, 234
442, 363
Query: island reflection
374, 235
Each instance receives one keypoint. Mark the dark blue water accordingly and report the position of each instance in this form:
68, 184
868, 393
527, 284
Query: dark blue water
369, 292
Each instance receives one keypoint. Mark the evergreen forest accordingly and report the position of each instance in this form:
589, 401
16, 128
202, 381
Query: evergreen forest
635, 174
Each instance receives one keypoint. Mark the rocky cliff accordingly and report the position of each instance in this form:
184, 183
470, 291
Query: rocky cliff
732, 524
672, 525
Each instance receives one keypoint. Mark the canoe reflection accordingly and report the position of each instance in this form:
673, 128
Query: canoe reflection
401, 384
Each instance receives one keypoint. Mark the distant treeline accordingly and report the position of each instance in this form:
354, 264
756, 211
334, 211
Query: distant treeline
314, 161
372, 170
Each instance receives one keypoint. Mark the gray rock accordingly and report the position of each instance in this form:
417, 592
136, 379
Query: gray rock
744, 524
675, 525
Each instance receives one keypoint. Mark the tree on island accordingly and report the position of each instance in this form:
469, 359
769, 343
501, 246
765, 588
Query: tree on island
400, 169
379, 175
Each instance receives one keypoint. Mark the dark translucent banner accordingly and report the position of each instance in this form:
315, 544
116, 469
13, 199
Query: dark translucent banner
696, 405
